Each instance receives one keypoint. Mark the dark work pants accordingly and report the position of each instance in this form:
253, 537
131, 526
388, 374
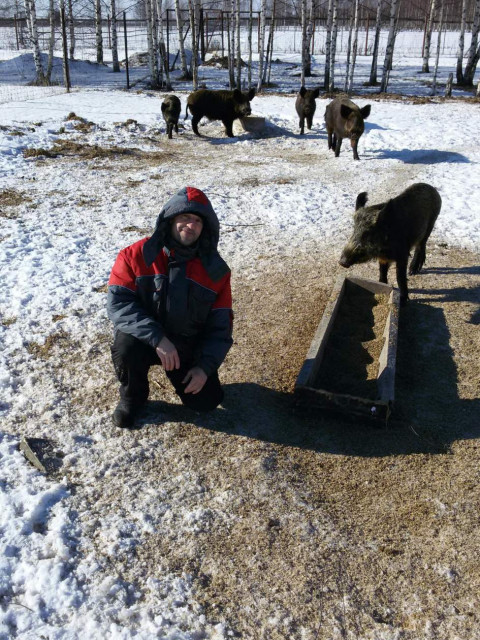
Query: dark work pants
132, 359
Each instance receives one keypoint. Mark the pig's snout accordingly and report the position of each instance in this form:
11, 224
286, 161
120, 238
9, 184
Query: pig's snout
344, 262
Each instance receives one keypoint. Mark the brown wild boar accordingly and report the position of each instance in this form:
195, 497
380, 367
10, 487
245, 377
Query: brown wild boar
222, 105
305, 106
171, 108
344, 119
388, 231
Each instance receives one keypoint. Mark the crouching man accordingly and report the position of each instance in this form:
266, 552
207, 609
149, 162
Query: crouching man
170, 301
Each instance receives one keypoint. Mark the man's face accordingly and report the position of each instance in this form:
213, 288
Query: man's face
186, 228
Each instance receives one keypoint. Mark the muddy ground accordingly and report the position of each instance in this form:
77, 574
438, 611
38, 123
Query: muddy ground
293, 523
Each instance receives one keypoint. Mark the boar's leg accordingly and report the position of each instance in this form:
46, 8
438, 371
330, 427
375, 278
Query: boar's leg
228, 127
309, 122
176, 127
169, 130
301, 124
354, 147
195, 121
419, 256
331, 140
402, 280
338, 144
384, 266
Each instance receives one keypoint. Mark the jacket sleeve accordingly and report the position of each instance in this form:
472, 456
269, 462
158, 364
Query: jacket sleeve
124, 306
217, 335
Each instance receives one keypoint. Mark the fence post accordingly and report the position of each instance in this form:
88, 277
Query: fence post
448, 87
126, 50
66, 70
109, 26
202, 36
16, 31
366, 34
223, 46
168, 38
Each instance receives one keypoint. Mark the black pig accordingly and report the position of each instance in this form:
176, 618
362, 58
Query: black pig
171, 108
222, 105
388, 231
344, 119
305, 106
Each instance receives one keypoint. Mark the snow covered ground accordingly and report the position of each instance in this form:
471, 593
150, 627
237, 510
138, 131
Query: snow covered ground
57, 248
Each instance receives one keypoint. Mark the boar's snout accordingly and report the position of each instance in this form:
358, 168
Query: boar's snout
246, 110
345, 260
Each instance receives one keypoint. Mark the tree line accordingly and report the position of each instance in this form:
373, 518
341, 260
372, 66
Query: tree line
265, 16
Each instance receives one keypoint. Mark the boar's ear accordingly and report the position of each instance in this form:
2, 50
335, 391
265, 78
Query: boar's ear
345, 111
365, 111
302, 91
316, 93
251, 94
361, 200
237, 95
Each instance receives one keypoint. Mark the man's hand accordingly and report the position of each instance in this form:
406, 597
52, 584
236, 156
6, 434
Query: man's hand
196, 379
168, 354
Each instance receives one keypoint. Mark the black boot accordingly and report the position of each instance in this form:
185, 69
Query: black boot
125, 414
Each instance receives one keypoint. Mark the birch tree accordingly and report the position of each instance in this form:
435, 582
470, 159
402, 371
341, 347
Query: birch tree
461, 43
473, 54
163, 49
181, 43
231, 42
263, 8
270, 41
98, 31
428, 37
354, 48
376, 41
51, 42
31, 16
328, 44
437, 58
194, 11
150, 46
333, 48
115, 63
387, 65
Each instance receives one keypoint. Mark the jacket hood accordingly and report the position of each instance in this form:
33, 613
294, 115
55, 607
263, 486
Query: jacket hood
188, 200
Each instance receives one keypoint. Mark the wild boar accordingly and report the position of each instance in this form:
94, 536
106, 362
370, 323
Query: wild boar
344, 119
305, 106
222, 105
388, 231
171, 108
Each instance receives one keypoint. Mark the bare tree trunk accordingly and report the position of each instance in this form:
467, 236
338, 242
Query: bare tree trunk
473, 51
354, 48
270, 41
387, 65
156, 51
163, 50
376, 42
461, 43
328, 43
250, 28
231, 48
428, 37
333, 48
116, 65
349, 52
262, 44
181, 45
98, 30
440, 27
31, 15
71, 28
305, 54
51, 43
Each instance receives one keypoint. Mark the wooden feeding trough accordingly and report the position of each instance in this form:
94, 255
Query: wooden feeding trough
250, 124
350, 366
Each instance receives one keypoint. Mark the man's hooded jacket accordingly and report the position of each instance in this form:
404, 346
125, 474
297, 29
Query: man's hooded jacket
160, 288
